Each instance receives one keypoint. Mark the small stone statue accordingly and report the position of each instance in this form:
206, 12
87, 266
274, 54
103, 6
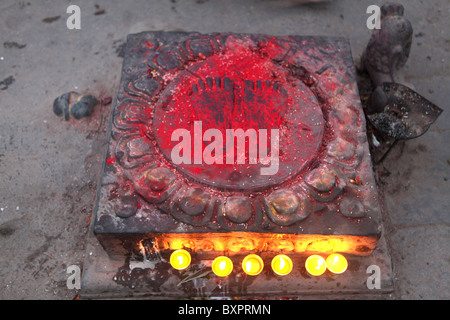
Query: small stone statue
389, 47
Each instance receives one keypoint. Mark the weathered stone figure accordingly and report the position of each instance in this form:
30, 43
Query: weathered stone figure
389, 47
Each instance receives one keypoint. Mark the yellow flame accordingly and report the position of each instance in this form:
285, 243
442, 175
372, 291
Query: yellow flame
180, 259
337, 263
222, 266
315, 265
252, 264
282, 265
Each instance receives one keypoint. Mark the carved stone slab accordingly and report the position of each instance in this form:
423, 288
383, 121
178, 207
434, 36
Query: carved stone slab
322, 187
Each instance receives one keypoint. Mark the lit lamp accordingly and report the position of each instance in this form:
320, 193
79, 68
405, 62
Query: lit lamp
252, 264
222, 266
336, 263
180, 259
315, 265
281, 265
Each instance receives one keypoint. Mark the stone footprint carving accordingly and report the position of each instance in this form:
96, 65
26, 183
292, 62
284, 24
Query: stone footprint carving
225, 102
214, 97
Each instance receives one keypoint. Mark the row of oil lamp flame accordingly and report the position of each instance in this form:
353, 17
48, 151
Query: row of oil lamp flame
253, 265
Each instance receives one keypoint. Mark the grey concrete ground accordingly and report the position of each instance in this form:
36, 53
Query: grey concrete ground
49, 168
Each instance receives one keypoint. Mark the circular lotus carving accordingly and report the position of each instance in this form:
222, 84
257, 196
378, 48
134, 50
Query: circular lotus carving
236, 133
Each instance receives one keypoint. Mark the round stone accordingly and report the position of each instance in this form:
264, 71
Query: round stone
159, 178
351, 208
284, 207
238, 209
201, 47
346, 114
321, 179
342, 149
194, 201
169, 59
126, 206
285, 202
138, 147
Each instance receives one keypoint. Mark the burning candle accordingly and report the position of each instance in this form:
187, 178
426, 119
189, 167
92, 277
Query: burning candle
315, 265
252, 264
282, 265
222, 266
336, 263
180, 259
